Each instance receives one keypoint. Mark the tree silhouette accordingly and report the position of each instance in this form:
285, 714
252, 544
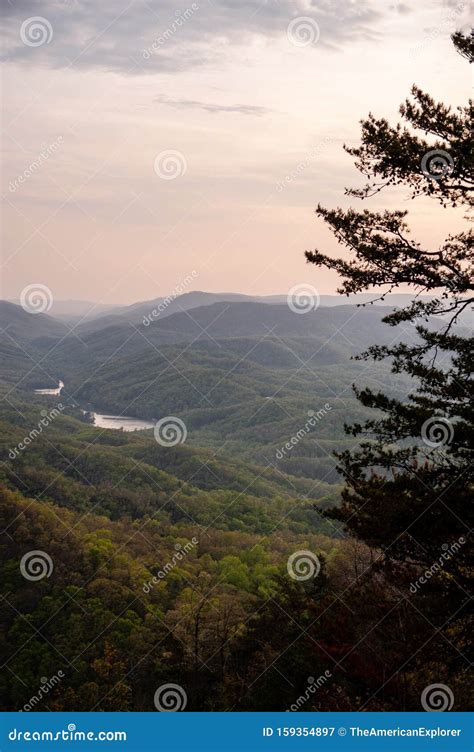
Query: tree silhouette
408, 483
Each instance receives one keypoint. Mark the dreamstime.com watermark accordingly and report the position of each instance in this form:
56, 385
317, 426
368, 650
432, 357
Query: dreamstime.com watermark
178, 290
35, 165
448, 552
303, 298
181, 553
442, 30
437, 431
35, 565
46, 420
36, 298
437, 164
303, 565
170, 431
314, 418
303, 31
313, 154
437, 698
180, 20
170, 698
67, 735
170, 164
46, 686
311, 689
36, 31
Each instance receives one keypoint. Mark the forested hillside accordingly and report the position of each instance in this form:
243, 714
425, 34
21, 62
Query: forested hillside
244, 377
175, 558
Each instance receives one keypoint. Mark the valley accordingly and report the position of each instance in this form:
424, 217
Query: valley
257, 397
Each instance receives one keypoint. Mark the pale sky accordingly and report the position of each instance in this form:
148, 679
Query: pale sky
243, 94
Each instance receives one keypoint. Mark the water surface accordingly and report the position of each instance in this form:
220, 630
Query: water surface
56, 391
121, 421
117, 422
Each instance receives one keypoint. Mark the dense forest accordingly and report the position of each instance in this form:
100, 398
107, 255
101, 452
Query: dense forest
226, 623
303, 544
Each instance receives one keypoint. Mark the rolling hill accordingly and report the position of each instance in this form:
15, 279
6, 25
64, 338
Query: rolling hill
242, 376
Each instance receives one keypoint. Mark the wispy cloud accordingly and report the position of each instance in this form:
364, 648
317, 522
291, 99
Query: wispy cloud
242, 109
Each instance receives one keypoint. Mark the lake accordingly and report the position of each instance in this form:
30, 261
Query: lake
124, 422
121, 421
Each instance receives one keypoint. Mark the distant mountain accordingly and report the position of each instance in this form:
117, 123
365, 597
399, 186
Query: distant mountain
18, 326
25, 340
160, 308
99, 315
338, 332
171, 304
242, 375
72, 311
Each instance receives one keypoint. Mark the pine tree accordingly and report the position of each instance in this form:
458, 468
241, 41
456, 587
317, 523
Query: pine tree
409, 482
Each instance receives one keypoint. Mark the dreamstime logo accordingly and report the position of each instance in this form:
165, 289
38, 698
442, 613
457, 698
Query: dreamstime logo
34, 166
71, 733
179, 21
304, 164
46, 419
458, 279
170, 431
170, 164
443, 29
313, 418
313, 686
303, 298
163, 305
180, 553
437, 698
437, 431
303, 31
437, 164
303, 565
36, 31
448, 553
170, 698
36, 298
46, 686
35, 565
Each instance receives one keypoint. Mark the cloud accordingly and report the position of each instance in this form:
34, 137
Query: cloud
146, 36
401, 8
243, 109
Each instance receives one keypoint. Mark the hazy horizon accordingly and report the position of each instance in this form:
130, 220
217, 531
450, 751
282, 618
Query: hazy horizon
172, 296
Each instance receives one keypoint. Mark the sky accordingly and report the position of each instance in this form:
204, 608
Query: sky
147, 144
